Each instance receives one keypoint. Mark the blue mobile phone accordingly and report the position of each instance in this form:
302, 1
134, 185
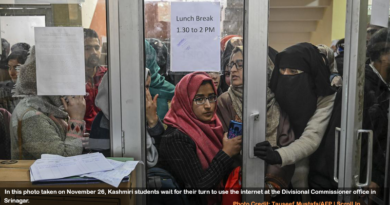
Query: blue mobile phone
235, 129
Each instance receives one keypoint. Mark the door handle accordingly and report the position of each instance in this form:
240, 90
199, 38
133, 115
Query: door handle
336, 149
369, 158
253, 117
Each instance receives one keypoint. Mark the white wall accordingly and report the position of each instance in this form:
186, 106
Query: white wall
17, 29
87, 12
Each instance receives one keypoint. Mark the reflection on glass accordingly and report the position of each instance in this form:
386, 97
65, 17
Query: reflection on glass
304, 90
192, 115
50, 124
376, 105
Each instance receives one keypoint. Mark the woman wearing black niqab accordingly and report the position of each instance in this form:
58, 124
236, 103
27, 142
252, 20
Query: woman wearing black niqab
297, 93
301, 83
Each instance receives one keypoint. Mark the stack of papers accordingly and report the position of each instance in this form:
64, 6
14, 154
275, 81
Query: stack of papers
55, 168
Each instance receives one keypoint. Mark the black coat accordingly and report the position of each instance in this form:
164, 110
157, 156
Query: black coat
178, 156
375, 118
375, 112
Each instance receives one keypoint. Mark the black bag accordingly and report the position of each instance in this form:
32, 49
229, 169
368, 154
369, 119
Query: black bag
160, 179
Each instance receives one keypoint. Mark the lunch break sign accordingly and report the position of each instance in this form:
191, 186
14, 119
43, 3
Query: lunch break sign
195, 36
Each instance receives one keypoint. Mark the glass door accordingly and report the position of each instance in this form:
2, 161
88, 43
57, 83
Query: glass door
23, 23
303, 117
366, 145
255, 89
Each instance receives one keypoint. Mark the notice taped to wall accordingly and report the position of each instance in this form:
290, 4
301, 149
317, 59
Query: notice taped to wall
60, 60
195, 36
380, 13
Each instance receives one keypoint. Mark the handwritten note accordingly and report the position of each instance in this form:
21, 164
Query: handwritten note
195, 36
60, 61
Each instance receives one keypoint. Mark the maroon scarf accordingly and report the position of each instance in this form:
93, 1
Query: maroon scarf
207, 136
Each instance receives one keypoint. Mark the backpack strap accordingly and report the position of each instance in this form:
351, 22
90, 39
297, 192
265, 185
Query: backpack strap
20, 142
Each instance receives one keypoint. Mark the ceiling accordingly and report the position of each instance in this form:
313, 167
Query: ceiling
290, 21
293, 21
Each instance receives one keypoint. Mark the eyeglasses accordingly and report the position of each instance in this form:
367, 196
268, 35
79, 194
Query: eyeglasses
201, 101
239, 65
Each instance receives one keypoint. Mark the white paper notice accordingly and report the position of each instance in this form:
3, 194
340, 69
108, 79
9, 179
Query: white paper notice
195, 36
60, 61
380, 13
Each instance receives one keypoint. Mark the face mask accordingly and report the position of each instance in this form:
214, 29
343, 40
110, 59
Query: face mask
296, 96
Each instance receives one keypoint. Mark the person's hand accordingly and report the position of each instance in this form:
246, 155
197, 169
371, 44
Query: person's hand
231, 146
151, 109
337, 81
372, 188
75, 106
264, 151
85, 141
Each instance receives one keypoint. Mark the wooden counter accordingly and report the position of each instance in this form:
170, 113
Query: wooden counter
16, 177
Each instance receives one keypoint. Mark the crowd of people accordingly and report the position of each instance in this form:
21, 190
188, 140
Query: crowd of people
188, 117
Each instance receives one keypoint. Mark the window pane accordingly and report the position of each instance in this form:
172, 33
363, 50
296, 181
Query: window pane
44, 124
376, 103
304, 97
182, 38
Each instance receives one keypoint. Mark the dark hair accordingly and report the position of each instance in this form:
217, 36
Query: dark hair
207, 82
90, 33
340, 43
5, 47
378, 44
19, 55
4, 53
20, 47
236, 50
5, 44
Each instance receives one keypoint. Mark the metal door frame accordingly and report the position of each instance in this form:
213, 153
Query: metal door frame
132, 84
255, 93
353, 93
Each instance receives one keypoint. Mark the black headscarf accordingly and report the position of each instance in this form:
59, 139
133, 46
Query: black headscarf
297, 94
162, 55
5, 51
230, 45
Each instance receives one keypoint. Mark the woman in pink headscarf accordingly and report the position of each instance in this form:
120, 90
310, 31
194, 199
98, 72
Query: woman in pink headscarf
194, 148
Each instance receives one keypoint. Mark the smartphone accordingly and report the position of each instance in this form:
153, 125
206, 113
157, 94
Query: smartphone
235, 129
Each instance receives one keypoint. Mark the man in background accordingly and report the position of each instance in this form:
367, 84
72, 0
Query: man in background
5, 49
93, 74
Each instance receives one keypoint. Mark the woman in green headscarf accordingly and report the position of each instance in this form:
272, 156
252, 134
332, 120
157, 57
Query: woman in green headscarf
159, 85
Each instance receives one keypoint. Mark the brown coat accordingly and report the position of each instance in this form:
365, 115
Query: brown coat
226, 112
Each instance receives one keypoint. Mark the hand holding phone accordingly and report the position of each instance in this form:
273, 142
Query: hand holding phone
235, 129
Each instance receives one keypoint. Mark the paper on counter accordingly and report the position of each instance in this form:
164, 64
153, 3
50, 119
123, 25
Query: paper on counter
114, 177
51, 156
114, 163
69, 166
60, 60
